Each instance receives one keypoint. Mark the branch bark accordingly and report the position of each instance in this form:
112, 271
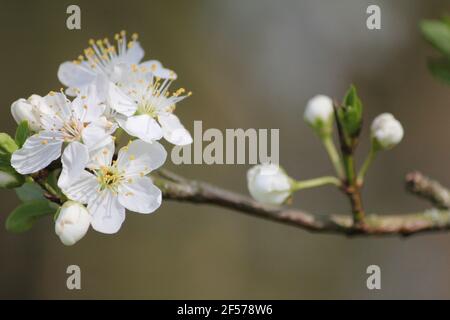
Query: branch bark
177, 188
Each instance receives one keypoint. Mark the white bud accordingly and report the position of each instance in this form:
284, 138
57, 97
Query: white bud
268, 183
387, 131
319, 111
29, 110
72, 223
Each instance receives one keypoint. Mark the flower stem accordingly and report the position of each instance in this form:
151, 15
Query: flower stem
333, 154
317, 182
366, 165
349, 168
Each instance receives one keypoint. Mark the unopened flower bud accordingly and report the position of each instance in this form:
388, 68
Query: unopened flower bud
269, 184
72, 223
319, 112
386, 131
29, 110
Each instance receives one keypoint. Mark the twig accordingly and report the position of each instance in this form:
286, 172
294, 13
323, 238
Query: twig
401, 224
429, 189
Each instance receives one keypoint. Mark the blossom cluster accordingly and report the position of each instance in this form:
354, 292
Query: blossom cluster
109, 91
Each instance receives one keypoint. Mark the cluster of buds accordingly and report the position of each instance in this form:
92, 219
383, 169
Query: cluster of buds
270, 184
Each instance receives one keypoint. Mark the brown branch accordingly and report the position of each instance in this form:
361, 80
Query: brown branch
429, 189
181, 189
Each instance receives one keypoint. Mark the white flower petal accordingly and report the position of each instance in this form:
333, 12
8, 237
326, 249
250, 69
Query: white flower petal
38, 152
134, 54
157, 69
87, 108
144, 127
97, 131
74, 159
140, 158
173, 130
119, 101
58, 104
101, 154
140, 195
75, 75
84, 189
107, 213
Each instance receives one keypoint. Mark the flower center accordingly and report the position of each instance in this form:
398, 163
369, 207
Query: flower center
109, 178
72, 130
101, 54
145, 107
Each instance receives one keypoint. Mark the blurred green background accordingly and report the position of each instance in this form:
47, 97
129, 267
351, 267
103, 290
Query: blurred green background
250, 64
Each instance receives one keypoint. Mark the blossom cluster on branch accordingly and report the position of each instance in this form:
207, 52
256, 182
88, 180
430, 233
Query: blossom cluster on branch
112, 93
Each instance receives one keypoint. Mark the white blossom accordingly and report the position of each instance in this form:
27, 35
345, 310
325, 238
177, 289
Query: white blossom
103, 60
387, 131
268, 183
72, 223
109, 187
63, 122
145, 108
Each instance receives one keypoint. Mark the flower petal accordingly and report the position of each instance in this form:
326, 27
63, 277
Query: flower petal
74, 159
144, 127
173, 130
87, 107
75, 75
140, 158
38, 152
157, 69
84, 190
101, 153
107, 213
119, 101
134, 54
58, 105
140, 195
97, 131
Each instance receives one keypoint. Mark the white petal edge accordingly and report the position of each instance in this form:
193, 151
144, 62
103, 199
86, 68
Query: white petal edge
140, 195
140, 158
107, 213
144, 127
74, 159
173, 130
38, 152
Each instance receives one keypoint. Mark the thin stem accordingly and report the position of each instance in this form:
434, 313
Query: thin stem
333, 154
349, 168
317, 182
366, 165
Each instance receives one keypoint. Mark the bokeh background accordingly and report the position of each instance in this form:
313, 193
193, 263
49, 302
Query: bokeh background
250, 64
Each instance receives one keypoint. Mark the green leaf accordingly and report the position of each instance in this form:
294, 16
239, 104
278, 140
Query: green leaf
30, 191
440, 68
350, 114
7, 144
23, 217
5, 160
437, 34
22, 133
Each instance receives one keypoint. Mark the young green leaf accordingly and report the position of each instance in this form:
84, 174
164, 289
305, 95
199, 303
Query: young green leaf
23, 217
30, 191
437, 34
22, 133
350, 114
7, 144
